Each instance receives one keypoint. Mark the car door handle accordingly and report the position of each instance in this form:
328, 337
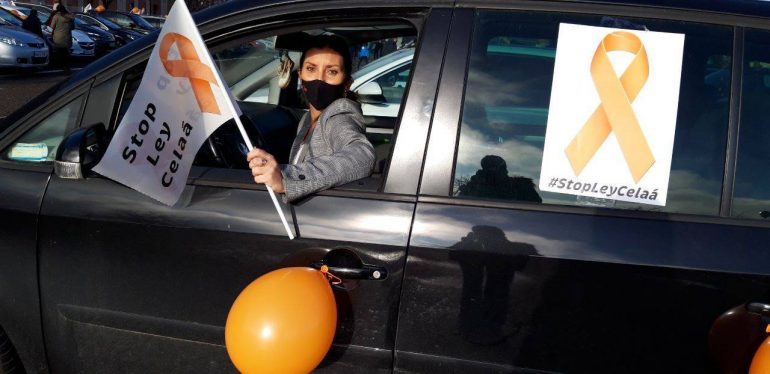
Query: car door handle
365, 272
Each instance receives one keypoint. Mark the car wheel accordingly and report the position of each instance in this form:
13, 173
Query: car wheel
9, 359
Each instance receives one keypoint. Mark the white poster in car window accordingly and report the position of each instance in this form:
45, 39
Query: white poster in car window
612, 116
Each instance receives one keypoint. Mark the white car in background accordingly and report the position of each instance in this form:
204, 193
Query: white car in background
82, 44
379, 84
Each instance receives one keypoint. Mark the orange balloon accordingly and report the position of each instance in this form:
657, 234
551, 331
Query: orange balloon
283, 322
760, 364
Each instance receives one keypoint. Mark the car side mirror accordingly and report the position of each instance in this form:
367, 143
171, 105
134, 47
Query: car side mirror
80, 151
370, 93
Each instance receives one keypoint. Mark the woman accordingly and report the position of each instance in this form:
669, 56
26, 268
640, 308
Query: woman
62, 23
330, 148
32, 24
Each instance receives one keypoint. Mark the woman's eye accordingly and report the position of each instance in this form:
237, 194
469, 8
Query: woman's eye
333, 72
310, 69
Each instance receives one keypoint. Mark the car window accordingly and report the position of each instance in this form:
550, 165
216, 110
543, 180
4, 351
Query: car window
40, 143
250, 69
507, 98
751, 195
393, 84
9, 18
121, 19
250, 66
109, 24
142, 22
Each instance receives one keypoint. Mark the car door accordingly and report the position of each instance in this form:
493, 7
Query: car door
501, 276
26, 163
130, 285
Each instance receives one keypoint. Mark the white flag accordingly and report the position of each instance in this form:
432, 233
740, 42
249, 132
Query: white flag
180, 102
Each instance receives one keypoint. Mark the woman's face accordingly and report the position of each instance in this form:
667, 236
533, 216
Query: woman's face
323, 64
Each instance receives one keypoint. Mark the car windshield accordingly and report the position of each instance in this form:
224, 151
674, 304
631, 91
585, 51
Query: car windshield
41, 15
108, 23
9, 18
141, 22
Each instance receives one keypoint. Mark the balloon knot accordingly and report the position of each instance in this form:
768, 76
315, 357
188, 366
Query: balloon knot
329, 276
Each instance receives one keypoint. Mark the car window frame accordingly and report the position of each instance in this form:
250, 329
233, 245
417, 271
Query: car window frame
436, 181
15, 131
256, 27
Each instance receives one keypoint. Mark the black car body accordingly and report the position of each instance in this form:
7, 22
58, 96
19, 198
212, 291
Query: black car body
128, 20
122, 35
96, 277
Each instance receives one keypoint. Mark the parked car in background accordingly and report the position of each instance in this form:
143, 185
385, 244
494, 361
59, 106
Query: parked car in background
480, 270
19, 48
127, 20
122, 35
155, 21
104, 41
82, 44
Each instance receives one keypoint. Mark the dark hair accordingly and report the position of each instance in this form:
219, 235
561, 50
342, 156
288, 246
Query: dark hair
336, 44
61, 9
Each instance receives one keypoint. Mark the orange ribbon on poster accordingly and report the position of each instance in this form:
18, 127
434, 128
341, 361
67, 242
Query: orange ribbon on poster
614, 113
199, 74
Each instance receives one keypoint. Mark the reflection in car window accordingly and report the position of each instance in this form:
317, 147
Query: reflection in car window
40, 143
506, 103
751, 197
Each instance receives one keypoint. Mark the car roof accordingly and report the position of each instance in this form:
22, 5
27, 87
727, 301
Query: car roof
752, 8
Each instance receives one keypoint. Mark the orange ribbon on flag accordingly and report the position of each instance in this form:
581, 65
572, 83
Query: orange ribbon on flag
199, 74
614, 113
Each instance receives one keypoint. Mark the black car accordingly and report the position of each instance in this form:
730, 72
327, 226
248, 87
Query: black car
128, 20
122, 35
485, 272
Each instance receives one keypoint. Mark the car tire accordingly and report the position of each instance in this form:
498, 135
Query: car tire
9, 359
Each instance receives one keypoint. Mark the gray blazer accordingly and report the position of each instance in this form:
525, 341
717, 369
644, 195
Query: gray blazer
337, 151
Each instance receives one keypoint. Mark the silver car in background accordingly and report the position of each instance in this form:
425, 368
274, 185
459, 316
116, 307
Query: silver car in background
20, 48
82, 44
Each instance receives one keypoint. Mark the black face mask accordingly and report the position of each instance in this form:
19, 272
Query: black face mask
320, 94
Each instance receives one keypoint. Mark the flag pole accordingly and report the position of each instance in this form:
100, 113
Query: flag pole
269, 189
231, 104
250, 146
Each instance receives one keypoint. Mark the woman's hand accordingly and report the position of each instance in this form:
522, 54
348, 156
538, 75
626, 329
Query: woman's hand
265, 169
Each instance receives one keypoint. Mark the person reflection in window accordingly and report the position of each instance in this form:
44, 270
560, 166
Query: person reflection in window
488, 262
492, 182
